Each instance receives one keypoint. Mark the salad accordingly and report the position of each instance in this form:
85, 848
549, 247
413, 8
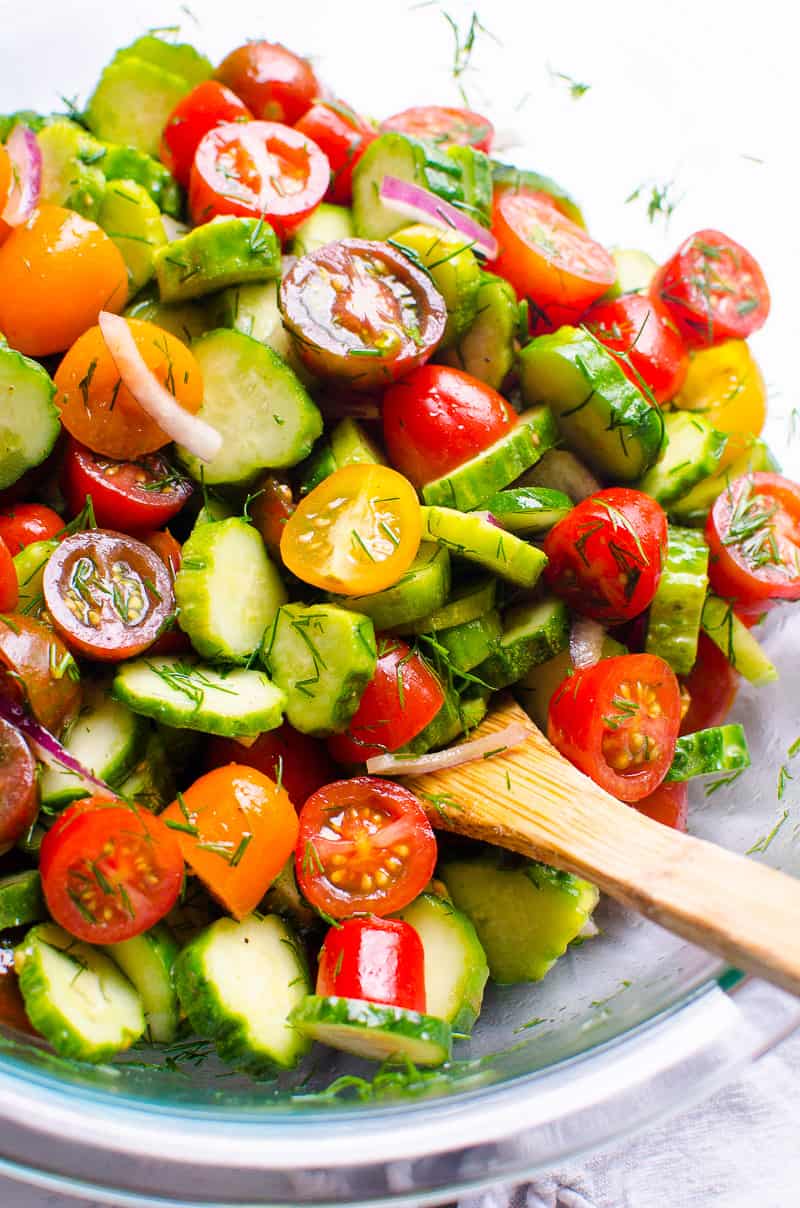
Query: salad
315, 435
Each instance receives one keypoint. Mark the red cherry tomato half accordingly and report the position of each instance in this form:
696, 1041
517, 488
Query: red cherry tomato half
714, 289
24, 523
436, 418
399, 701
37, 668
605, 556
9, 584
208, 105
444, 125
364, 845
753, 533
273, 82
19, 796
344, 137
127, 496
109, 871
257, 170
300, 763
669, 804
376, 960
618, 721
711, 685
12, 1004
643, 328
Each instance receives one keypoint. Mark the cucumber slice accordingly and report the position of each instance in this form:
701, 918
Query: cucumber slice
147, 961
674, 619
238, 983
253, 310
252, 397
532, 634
327, 224
131, 218
457, 715
191, 695
75, 996
486, 348
692, 509
718, 749
476, 179
319, 466
635, 271
21, 899
456, 971
225, 251
736, 642
132, 102
423, 588
467, 601
186, 320
177, 57
29, 564
600, 413
519, 179
72, 167
691, 452
560, 470
535, 690
227, 590
373, 1030
476, 480
529, 510
450, 263
472, 642
322, 657
128, 163
213, 510
284, 898
29, 421
150, 784
471, 536
351, 445
525, 914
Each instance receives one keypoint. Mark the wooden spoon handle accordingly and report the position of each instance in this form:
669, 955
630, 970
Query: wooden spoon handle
532, 800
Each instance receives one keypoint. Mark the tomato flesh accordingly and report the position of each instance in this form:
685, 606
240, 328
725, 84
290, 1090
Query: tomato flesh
343, 137
364, 845
273, 82
297, 761
711, 687
38, 669
753, 533
208, 105
127, 496
375, 960
24, 523
643, 330
19, 797
444, 125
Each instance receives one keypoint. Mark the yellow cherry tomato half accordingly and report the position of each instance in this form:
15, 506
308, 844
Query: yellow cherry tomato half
725, 383
356, 533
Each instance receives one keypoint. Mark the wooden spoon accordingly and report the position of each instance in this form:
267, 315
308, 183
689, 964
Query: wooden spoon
532, 800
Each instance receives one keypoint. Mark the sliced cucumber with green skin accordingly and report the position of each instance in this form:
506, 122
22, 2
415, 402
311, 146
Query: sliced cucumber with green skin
284, 898
253, 310
691, 452
29, 422
21, 899
452, 266
186, 694
602, 416
322, 657
423, 588
150, 784
147, 961
475, 538
352, 445
263, 412
225, 251
467, 601
373, 1030
529, 510
327, 224
476, 179
457, 715
635, 271
525, 914
456, 971
132, 102
132, 220
178, 57
227, 590
29, 564
72, 167
239, 984
186, 320
736, 642
486, 349
75, 996
507, 176
692, 509
472, 642
319, 466
213, 511
560, 470
472, 483
673, 626
718, 749
535, 690
128, 163
532, 634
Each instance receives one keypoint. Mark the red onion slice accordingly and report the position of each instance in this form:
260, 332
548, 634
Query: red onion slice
586, 642
26, 180
49, 750
425, 206
436, 761
180, 425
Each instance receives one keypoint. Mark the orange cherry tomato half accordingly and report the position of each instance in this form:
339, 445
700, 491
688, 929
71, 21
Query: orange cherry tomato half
36, 666
58, 272
355, 533
102, 413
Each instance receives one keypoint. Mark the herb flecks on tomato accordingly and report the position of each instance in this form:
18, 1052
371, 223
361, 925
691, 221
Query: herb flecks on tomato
753, 533
444, 125
128, 496
643, 331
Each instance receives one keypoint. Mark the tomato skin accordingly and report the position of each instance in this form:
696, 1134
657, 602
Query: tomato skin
271, 508
390, 716
364, 845
712, 685
643, 328
448, 126
208, 105
714, 289
300, 763
273, 82
727, 386
118, 489
162, 543
35, 666
343, 137
375, 960
19, 795
605, 557
580, 711
669, 805
436, 418
761, 566
24, 523
9, 585
12, 1005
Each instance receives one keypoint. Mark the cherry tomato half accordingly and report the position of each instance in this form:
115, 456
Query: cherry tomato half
753, 533
19, 796
605, 556
343, 137
273, 82
126, 495
9, 584
375, 960
725, 384
669, 805
364, 845
12, 1005
109, 595
618, 721
257, 170
361, 312
355, 533
642, 328
711, 685
109, 871
271, 508
300, 763
36, 667
444, 126
714, 288
208, 105
398, 702
23, 523
436, 418
173, 640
